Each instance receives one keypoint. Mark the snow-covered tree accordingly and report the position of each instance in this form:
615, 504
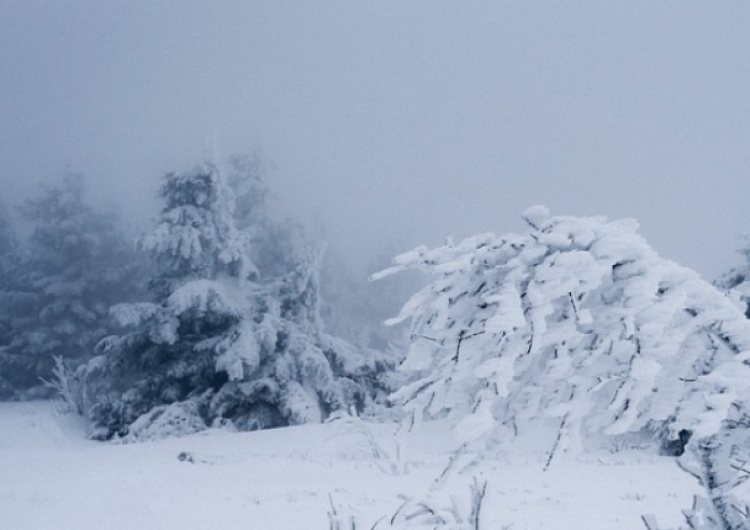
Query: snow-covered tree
215, 343
276, 244
8, 240
349, 308
280, 248
579, 324
8, 247
59, 286
301, 374
579, 318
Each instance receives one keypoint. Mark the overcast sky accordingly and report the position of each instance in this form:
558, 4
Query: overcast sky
398, 122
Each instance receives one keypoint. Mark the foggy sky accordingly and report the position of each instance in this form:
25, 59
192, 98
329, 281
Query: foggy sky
397, 123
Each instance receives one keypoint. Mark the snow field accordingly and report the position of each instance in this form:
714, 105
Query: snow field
51, 477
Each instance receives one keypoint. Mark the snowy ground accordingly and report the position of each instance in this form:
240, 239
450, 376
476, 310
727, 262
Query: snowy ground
53, 478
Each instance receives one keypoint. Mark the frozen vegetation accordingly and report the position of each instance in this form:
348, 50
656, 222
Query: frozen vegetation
564, 377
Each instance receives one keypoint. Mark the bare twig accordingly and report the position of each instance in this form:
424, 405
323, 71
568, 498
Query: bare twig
477, 496
650, 522
557, 442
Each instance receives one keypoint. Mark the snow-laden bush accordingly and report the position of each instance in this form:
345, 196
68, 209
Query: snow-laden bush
581, 324
452, 513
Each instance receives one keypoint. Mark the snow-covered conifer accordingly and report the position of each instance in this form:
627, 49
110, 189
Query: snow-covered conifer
7, 234
279, 247
60, 284
276, 244
8, 247
216, 340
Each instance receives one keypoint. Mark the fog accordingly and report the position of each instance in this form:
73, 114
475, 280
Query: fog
390, 124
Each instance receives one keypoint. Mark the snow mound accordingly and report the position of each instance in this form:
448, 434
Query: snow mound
166, 421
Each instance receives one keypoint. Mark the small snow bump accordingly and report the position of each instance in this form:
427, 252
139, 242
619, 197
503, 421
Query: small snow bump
536, 215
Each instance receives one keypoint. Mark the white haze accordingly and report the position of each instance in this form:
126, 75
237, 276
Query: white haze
397, 123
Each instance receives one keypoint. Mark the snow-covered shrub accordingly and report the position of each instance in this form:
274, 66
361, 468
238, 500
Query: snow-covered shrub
578, 323
389, 461
701, 515
217, 335
720, 463
67, 386
437, 510
579, 320
441, 511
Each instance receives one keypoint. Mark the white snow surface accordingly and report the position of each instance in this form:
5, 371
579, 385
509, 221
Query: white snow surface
51, 477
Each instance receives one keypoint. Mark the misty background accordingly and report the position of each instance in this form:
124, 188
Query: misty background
385, 125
